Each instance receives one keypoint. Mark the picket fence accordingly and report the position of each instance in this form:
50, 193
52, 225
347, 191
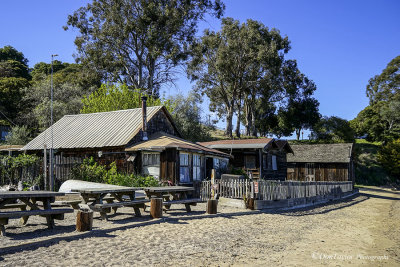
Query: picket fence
271, 190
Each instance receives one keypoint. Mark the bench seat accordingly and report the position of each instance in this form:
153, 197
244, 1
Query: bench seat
19, 214
183, 201
14, 206
122, 204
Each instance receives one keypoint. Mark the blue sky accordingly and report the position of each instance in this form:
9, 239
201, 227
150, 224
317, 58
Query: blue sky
338, 44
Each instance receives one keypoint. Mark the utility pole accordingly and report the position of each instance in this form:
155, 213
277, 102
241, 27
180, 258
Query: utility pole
51, 129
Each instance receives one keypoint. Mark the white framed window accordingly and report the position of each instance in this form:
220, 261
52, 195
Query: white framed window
184, 176
151, 164
197, 163
151, 159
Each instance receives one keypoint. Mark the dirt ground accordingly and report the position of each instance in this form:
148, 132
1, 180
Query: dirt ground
363, 230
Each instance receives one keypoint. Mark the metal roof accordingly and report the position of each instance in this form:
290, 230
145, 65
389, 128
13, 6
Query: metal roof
239, 144
94, 130
160, 141
321, 153
10, 147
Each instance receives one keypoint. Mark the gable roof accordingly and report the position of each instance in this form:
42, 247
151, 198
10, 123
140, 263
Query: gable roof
256, 143
95, 130
160, 141
321, 153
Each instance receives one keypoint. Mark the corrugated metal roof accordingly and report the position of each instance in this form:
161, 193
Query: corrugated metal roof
239, 144
10, 147
321, 153
160, 141
103, 129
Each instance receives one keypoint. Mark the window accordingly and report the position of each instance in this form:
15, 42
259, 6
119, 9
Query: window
184, 176
250, 162
274, 164
197, 160
151, 159
151, 164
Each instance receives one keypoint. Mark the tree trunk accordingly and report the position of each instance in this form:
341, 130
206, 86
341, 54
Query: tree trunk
229, 117
298, 133
253, 123
238, 123
248, 120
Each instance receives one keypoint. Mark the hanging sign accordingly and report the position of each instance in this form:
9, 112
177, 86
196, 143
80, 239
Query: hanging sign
256, 187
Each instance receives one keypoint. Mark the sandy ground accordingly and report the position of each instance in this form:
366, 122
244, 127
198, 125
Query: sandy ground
361, 231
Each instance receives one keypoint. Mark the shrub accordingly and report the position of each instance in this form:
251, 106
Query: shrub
21, 168
91, 171
389, 157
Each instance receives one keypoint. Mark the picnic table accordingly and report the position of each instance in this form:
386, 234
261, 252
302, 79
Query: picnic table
11, 200
173, 195
103, 199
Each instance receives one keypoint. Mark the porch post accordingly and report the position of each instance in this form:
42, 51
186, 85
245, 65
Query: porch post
261, 162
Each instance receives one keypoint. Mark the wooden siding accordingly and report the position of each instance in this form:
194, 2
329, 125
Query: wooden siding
322, 171
158, 123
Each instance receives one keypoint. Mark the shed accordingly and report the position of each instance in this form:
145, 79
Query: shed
321, 162
261, 157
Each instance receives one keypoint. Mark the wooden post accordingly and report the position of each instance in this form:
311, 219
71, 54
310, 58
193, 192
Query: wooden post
84, 220
212, 206
156, 205
45, 166
212, 183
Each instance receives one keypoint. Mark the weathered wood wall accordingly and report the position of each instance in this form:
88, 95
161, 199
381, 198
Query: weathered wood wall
322, 171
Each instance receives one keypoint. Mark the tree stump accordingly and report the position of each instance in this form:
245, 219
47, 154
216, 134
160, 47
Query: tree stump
156, 205
212, 206
250, 203
84, 220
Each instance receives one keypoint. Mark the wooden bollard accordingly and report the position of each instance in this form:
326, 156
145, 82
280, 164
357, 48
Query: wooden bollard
84, 220
212, 206
156, 205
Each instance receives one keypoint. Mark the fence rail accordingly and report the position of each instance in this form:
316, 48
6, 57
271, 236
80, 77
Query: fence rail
272, 190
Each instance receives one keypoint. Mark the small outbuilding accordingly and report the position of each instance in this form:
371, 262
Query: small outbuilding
263, 158
321, 162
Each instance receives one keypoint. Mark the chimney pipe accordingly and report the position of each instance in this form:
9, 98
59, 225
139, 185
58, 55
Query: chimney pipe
144, 116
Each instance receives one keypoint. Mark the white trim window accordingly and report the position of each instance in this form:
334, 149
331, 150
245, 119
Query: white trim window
184, 174
151, 164
197, 160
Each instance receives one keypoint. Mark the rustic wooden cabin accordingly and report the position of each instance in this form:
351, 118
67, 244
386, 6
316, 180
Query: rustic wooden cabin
321, 162
111, 137
262, 158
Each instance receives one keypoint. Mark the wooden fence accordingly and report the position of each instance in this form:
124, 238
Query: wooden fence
272, 190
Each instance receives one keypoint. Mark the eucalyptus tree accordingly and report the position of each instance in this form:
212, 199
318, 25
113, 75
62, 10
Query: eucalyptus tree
136, 42
233, 67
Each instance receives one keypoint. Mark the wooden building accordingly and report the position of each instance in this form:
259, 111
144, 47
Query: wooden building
262, 157
114, 137
321, 162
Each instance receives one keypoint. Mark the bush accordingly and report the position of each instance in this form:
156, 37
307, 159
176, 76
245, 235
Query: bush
21, 168
91, 171
389, 157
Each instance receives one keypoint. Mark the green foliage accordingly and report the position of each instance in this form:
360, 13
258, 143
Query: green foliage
14, 77
333, 128
389, 157
19, 135
187, 117
17, 168
110, 97
368, 169
138, 42
91, 171
66, 100
385, 86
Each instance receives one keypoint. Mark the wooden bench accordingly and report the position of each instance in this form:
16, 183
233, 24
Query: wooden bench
51, 214
188, 202
73, 203
105, 207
